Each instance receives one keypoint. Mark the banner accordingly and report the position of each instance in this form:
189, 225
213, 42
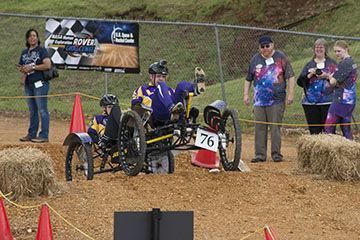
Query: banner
93, 45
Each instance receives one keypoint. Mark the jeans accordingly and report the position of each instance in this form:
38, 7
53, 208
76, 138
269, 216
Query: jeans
38, 105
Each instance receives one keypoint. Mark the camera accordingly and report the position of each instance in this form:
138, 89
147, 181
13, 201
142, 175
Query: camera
318, 71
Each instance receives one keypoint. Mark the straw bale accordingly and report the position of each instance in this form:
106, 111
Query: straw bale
288, 131
26, 172
330, 156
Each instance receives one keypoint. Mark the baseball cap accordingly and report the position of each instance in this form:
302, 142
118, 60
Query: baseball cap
265, 40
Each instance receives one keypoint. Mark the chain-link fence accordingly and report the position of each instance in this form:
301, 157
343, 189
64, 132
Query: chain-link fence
223, 51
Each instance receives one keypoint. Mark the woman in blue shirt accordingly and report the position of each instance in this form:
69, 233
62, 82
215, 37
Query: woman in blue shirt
33, 61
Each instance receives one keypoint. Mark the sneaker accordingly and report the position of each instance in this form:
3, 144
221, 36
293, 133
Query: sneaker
27, 138
39, 140
277, 159
199, 73
176, 110
257, 159
199, 81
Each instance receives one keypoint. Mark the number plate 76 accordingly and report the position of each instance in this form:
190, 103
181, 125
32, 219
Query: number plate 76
207, 140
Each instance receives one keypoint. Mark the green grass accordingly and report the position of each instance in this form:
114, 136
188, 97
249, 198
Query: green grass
341, 21
174, 10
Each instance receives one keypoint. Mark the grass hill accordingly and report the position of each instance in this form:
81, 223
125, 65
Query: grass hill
326, 16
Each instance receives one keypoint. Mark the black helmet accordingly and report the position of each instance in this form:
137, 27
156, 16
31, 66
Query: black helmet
108, 99
159, 68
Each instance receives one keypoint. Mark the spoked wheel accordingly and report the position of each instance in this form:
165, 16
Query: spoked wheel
79, 162
162, 163
132, 144
230, 140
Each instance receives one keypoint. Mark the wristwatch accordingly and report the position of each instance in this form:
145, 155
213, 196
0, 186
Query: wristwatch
33, 66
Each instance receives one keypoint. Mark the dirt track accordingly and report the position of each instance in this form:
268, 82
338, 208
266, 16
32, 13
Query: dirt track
226, 205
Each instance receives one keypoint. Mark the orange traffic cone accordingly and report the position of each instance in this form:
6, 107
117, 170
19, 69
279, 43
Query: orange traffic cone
5, 233
44, 231
205, 158
270, 234
77, 118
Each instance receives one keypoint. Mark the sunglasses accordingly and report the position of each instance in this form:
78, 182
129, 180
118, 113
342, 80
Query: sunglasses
265, 46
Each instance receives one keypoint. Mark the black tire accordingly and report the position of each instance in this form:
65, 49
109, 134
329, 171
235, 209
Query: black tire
131, 144
230, 140
79, 161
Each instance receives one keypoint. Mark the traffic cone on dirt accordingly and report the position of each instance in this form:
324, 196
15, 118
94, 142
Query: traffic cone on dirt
270, 234
205, 158
77, 123
44, 231
5, 233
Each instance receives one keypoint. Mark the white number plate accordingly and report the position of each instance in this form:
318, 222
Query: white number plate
207, 140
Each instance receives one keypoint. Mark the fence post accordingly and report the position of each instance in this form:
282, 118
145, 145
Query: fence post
220, 63
106, 83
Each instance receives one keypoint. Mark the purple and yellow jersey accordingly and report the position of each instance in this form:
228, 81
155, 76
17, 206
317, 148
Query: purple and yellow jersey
146, 94
161, 98
98, 124
317, 91
269, 77
346, 76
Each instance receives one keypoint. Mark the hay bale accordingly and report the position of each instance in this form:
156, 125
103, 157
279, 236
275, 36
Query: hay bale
287, 131
26, 172
330, 156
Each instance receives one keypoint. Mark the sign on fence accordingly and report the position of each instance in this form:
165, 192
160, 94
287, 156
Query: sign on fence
93, 45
